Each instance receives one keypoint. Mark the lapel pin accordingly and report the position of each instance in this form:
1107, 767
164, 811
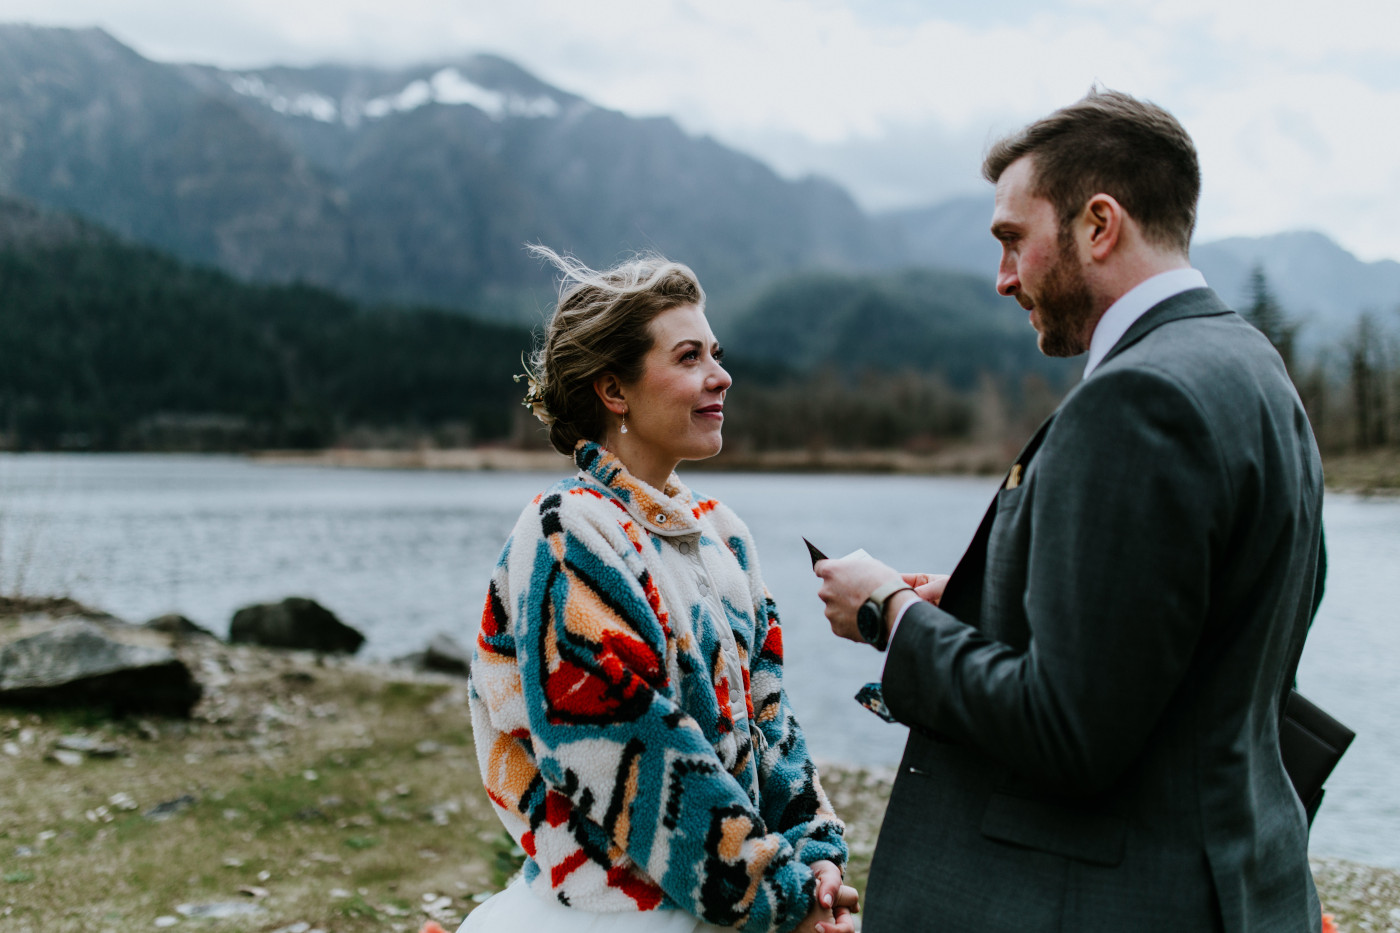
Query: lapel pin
1014, 479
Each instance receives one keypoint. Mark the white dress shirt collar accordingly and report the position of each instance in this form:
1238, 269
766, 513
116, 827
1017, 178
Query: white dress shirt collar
1140, 299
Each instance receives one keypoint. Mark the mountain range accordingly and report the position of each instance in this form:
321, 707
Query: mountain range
412, 186
420, 186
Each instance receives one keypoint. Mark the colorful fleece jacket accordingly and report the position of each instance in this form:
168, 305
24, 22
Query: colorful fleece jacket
627, 703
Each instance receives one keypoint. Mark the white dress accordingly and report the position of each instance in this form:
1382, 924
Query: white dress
516, 910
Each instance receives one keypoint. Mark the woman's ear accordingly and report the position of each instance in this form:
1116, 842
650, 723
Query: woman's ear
609, 389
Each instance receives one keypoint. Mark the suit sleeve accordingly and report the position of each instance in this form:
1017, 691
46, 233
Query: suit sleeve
624, 760
1127, 501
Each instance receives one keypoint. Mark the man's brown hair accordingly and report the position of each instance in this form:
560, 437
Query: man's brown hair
1111, 143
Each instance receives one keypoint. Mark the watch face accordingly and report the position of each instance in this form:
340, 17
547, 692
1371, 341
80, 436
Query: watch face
869, 622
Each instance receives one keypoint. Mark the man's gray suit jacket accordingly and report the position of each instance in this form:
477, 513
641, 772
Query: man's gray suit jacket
1094, 709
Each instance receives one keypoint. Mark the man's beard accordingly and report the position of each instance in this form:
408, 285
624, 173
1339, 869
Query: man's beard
1065, 305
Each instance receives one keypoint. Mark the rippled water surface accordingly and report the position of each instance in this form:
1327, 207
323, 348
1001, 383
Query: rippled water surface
403, 555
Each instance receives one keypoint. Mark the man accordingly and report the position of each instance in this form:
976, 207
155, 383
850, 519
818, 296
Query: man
1094, 695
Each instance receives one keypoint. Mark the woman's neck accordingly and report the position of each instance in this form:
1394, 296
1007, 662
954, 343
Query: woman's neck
640, 460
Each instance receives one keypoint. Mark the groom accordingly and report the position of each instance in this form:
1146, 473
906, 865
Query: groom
1094, 695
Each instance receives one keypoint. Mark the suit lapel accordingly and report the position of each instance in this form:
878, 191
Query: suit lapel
963, 594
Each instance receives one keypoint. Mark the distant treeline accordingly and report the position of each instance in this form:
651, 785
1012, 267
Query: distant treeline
110, 346
107, 346
1352, 390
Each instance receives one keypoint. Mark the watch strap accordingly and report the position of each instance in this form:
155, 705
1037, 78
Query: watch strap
882, 593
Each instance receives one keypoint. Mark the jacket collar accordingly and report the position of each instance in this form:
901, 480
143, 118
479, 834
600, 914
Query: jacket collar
671, 511
1198, 302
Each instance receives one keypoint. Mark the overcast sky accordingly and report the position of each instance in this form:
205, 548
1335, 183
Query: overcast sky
1294, 104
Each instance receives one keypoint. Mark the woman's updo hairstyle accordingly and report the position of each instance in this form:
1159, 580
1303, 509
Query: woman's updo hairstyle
600, 325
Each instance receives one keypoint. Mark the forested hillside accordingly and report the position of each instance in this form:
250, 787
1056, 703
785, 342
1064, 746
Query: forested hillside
111, 346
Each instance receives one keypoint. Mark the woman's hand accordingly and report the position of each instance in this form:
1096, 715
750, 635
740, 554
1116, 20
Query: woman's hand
834, 902
927, 586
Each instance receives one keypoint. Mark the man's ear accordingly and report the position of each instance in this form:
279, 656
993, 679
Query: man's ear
609, 389
1102, 225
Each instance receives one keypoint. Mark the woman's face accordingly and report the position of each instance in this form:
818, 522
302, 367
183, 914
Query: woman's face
675, 409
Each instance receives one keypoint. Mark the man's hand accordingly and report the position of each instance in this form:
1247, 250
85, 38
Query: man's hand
834, 902
846, 583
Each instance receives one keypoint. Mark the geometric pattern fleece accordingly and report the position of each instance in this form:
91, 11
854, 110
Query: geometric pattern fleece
628, 710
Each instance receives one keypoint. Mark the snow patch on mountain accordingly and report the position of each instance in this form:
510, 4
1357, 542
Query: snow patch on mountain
306, 104
448, 87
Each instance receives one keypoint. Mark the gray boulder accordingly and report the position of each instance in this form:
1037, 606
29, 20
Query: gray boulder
295, 622
180, 626
78, 664
446, 655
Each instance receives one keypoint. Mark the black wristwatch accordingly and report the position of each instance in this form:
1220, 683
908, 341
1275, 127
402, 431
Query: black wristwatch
870, 618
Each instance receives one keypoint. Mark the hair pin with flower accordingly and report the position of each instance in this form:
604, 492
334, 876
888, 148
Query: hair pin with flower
533, 399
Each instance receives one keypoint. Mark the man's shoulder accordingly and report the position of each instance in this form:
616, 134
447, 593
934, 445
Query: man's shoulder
1197, 342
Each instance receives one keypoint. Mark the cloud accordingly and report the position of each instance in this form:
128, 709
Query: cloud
1306, 150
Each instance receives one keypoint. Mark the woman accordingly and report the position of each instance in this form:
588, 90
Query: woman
626, 688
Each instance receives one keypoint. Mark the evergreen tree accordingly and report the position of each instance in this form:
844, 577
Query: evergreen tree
1265, 313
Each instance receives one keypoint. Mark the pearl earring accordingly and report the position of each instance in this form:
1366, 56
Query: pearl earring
624, 425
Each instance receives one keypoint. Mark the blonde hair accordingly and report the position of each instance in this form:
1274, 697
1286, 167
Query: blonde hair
600, 325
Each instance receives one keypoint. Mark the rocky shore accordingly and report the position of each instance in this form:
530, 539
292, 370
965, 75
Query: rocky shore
306, 791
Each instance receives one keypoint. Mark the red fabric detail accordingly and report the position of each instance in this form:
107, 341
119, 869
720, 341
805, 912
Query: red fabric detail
490, 625
773, 642
524, 732
599, 691
564, 869
527, 842
748, 695
1328, 924
644, 892
726, 720
706, 506
636, 656
654, 600
556, 808
580, 490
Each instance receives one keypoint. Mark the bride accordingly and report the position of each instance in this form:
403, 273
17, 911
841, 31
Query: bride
626, 688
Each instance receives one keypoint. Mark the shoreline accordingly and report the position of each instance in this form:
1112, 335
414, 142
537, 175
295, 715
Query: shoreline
981, 460
1366, 473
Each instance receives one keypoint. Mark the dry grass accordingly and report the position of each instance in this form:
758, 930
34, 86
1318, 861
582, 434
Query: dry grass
1375, 472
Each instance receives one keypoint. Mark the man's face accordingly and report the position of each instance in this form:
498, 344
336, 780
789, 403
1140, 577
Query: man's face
1039, 266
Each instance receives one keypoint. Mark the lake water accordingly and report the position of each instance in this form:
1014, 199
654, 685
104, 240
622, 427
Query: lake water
404, 555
